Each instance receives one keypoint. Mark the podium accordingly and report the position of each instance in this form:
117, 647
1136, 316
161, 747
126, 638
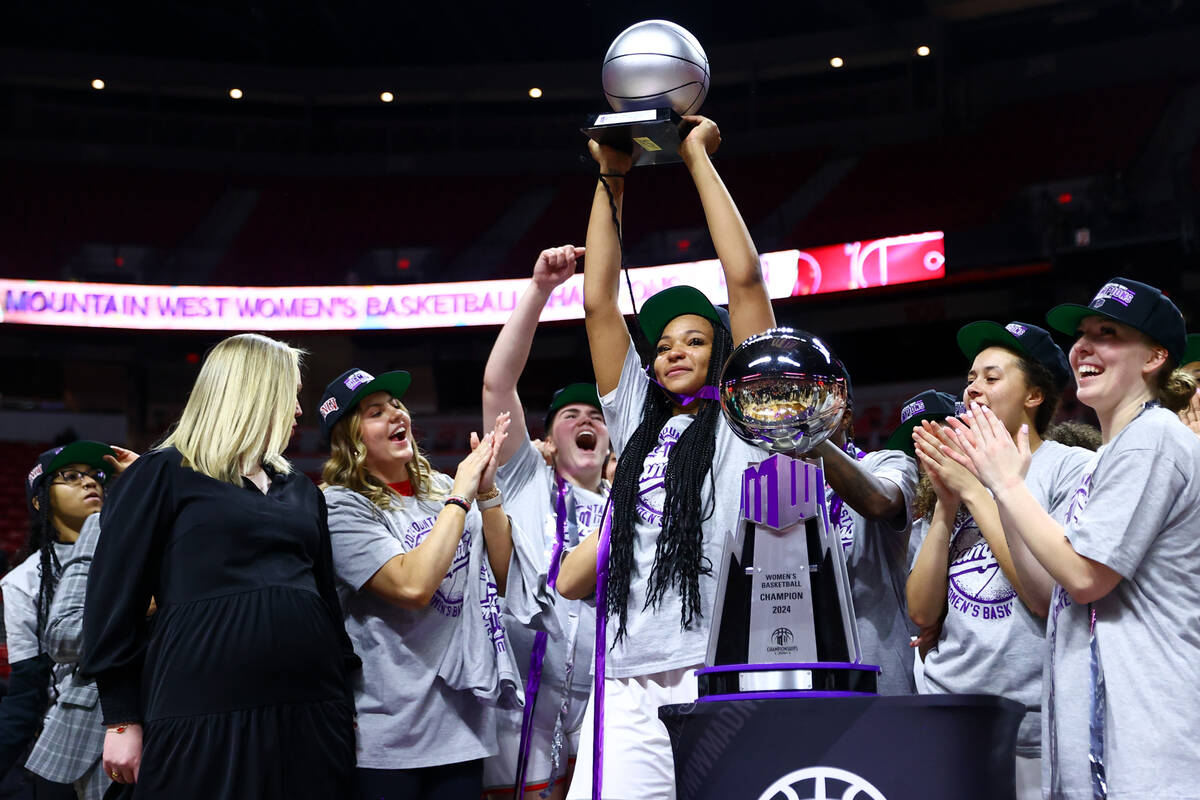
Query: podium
929, 747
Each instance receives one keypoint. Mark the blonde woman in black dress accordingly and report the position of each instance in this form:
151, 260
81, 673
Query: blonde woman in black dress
238, 687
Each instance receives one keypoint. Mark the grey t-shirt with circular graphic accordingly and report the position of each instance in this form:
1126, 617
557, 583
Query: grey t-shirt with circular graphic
990, 641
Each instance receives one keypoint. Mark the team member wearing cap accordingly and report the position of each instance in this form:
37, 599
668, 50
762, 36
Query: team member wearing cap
870, 498
63, 492
992, 637
1190, 414
240, 686
1121, 694
415, 565
678, 479
577, 439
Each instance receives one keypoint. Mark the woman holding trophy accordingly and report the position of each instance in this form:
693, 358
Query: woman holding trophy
676, 489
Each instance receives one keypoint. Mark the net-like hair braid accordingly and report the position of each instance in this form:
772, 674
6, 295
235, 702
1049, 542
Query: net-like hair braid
679, 554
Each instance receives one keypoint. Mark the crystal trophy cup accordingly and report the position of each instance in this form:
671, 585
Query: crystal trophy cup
783, 618
654, 73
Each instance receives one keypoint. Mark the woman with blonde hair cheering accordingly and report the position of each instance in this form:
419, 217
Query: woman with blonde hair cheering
239, 686
419, 571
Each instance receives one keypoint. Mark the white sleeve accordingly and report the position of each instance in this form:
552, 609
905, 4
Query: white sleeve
622, 406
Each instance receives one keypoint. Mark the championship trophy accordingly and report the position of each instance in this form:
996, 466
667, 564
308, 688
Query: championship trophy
784, 619
654, 73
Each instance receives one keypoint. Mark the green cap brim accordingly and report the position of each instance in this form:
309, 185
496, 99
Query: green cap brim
84, 452
976, 337
1065, 318
395, 383
670, 303
901, 438
574, 393
1192, 351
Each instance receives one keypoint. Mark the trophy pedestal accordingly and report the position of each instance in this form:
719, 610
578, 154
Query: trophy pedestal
651, 135
784, 622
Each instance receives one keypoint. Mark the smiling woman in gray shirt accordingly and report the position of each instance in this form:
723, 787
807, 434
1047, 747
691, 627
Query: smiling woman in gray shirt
417, 571
1121, 692
994, 616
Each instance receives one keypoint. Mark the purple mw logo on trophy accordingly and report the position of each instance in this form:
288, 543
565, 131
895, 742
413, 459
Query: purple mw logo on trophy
779, 492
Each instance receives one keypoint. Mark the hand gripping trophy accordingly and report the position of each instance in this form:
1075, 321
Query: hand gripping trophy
784, 619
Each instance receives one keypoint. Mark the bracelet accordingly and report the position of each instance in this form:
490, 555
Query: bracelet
491, 501
488, 495
613, 174
455, 500
124, 726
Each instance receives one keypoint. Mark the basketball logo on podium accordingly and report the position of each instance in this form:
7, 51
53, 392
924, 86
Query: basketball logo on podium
821, 783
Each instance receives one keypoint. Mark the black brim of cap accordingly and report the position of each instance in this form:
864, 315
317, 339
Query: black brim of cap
673, 302
83, 452
901, 438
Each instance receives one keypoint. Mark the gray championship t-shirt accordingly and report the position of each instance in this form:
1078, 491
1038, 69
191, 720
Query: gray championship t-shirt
407, 716
1137, 510
876, 558
654, 640
529, 498
990, 641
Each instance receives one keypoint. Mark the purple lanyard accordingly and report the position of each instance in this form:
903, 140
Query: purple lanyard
601, 648
835, 505
534, 681
1097, 695
685, 400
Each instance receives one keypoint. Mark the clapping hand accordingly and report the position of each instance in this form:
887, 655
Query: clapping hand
985, 447
1190, 416
498, 434
478, 470
928, 441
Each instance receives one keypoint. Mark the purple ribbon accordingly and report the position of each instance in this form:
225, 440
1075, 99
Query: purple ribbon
538, 656
601, 649
685, 400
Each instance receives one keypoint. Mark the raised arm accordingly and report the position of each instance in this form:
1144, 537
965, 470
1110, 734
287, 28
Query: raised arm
608, 338
510, 353
750, 309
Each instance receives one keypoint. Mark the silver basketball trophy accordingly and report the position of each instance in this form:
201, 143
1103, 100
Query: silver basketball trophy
654, 73
784, 618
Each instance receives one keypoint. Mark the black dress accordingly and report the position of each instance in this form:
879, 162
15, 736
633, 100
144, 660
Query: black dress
241, 679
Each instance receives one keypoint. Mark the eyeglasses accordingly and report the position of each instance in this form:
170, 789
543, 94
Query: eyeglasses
74, 477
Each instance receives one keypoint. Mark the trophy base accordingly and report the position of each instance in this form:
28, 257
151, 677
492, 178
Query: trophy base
756, 681
651, 135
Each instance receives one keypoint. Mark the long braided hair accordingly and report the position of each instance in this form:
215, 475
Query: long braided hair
42, 538
679, 555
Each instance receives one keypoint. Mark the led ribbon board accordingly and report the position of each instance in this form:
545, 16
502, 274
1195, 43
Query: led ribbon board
788, 273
